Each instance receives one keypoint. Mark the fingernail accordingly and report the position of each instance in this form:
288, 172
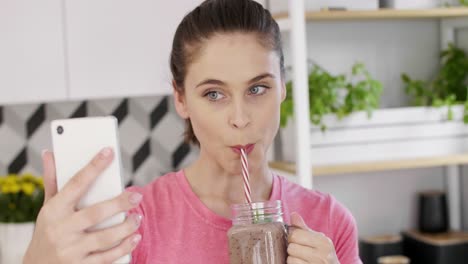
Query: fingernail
44, 151
135, 198
136, 218
136, 239
106, 152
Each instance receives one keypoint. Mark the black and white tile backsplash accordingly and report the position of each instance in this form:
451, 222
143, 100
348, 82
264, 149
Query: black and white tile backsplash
151, 134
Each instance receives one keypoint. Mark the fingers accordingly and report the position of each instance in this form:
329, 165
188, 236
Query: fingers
113, 254
301, 252
315, 259
107, 238
297, 221
308, 238
311, 255
77, 186
50, 182
294, 260
95, 214
307, 245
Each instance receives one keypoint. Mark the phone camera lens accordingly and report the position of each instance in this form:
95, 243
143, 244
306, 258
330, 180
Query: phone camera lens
60, 130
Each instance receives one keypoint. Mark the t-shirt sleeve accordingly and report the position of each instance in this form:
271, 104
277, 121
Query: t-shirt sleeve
138, 254
345, 234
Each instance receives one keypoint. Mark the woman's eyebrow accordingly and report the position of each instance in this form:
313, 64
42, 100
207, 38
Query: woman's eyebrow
260, 77
211, 81
221, 83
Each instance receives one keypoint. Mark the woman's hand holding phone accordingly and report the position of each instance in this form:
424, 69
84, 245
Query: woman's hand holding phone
62, 233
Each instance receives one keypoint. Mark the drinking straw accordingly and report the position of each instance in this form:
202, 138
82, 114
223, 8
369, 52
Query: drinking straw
246, 177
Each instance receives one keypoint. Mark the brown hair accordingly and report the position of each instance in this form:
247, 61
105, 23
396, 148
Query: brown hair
219, 16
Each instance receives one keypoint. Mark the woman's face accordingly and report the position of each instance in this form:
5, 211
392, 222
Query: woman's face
233, 92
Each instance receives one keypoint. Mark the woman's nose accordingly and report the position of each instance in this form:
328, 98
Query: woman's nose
239, 117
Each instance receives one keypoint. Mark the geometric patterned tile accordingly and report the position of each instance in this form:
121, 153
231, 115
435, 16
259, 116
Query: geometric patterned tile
121, 111
159, 151
1, 115
18, 162
63, 109
189, 158
35, 120
158, 112
103, 107
150, 133
80, 111
179, 154
31, 170
148, 171
37, 143
169, 131
141, 155
132, 137
18, 116
148, 110
11, 143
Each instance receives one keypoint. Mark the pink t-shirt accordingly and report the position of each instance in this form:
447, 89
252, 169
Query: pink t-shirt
178, 228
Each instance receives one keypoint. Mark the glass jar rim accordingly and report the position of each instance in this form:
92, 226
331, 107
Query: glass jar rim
258, 212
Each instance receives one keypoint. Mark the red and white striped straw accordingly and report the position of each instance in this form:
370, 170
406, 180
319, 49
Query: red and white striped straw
246, 176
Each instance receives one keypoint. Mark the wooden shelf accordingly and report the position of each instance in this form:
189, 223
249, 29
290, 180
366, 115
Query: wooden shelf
382, 14
376, 166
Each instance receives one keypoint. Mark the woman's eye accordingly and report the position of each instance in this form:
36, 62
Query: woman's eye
257, 90
214, 95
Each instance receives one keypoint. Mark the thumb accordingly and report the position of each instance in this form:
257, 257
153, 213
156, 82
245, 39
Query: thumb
50, 183
297, 221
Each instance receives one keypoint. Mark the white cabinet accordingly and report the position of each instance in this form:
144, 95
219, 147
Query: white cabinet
31, 51
121, 47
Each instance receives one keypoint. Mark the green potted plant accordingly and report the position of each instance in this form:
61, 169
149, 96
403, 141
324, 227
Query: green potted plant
336, 95
447, 88
331, 96
21, 198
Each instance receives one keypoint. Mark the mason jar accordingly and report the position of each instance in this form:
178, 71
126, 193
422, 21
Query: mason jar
258, 234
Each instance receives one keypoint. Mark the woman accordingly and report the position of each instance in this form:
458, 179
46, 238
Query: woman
228, 78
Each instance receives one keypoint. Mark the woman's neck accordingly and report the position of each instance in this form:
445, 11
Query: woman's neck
218, 189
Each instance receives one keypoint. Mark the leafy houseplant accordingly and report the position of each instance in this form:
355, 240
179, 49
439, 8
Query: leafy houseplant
449, 87
336, 94
21, 198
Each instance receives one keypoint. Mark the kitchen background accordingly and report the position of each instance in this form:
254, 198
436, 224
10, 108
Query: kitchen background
119, 65
382, 202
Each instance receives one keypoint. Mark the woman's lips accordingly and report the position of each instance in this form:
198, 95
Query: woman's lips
248, 148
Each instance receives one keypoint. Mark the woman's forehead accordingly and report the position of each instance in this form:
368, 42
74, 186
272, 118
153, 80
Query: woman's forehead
233, 56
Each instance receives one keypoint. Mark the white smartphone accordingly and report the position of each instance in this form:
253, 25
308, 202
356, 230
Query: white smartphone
75, 142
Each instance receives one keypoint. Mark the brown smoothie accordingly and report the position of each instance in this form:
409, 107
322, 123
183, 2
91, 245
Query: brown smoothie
264, 243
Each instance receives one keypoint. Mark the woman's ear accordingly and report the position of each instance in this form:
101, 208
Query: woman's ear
180, 102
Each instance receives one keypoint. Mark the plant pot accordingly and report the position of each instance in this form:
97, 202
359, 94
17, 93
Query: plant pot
14, 240
390, 134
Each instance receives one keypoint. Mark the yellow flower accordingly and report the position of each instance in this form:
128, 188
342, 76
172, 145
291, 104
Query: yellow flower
11, 179
2, 180
15, 188
28, 188
5, 189
40, 182
10, 188
28, 177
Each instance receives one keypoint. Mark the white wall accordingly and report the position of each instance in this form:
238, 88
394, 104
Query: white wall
387, 48
385, 202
